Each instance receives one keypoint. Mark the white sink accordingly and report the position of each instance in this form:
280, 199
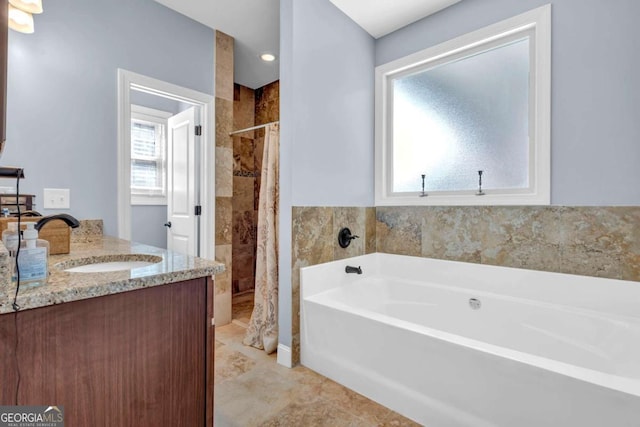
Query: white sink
108, 263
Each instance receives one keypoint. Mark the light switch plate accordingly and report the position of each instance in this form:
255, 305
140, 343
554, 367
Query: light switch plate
56, 198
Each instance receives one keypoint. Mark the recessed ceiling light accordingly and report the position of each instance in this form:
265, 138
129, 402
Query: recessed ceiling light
268, 57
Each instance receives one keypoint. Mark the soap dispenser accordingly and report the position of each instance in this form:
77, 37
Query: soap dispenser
33, 258
10, 238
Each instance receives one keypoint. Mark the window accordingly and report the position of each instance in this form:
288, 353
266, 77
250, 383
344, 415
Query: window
148, 156
476, 107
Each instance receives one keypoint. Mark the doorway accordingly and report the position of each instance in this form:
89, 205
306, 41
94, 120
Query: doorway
190, 181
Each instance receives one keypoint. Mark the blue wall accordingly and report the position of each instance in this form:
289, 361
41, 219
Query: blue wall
595, 149
327, 117
62, 101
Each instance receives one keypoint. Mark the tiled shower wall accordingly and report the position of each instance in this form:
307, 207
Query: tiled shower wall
244, 181
249, 108
224, 173
591, 241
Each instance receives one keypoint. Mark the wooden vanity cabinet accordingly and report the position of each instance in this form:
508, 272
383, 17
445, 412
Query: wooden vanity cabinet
137, 358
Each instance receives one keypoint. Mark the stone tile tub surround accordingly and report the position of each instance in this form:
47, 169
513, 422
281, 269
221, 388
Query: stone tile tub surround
590, 241
315, 241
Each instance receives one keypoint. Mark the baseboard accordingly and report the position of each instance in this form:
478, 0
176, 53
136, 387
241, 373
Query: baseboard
284, 355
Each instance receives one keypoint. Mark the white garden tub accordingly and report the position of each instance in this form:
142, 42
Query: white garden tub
543, 349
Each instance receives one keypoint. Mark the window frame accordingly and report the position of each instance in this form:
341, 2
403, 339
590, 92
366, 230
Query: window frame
537, 25
150, 115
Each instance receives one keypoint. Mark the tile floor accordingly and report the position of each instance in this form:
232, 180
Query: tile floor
251, 389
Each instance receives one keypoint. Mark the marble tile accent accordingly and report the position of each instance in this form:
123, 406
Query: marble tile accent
244, 229
222, 293
224, 122
518, 236
244, 182
223, 280
602, 242
243, 157
370, 230
243, 193
355, 220
591, 241
268, 103
399, 230
258, 151
224, 66
243, 262
243, 109
222, 308
223, 221
224, 172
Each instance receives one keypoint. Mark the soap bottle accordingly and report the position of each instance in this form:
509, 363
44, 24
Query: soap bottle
10, 238
33, 258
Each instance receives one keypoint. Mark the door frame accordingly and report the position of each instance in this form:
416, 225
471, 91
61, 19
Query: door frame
128, 80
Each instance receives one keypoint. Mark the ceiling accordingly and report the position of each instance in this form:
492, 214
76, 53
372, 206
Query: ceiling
255, 26
381, 17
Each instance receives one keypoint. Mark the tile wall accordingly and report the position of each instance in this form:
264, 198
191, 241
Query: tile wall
238, 162
250, 108
244, 182
315, 241
224, 173
590, 241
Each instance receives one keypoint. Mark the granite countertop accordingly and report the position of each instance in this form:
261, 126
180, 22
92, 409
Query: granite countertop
64, 286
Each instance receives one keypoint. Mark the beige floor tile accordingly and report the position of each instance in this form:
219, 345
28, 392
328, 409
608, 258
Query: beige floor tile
231, 364
318, 413
251, 389
368, 411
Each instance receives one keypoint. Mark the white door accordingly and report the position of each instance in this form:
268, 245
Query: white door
181, 183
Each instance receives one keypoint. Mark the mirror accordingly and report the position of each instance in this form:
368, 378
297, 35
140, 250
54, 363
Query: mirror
468, 118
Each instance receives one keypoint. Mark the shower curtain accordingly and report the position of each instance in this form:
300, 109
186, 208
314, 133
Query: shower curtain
263, 327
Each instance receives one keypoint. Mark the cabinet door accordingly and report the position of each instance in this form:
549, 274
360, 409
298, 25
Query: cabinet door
132, 359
